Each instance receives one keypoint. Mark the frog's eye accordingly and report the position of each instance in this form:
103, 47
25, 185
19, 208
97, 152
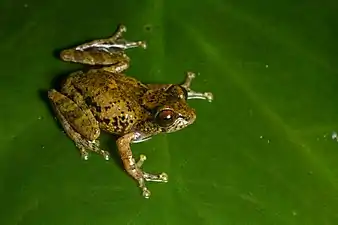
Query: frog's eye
165, 117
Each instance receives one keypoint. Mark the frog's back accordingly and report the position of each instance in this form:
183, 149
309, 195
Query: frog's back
113, 99
100, 80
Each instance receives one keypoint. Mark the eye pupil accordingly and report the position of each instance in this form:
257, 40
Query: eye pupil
165, 118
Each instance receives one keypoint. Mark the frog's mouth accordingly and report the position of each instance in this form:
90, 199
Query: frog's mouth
180, 123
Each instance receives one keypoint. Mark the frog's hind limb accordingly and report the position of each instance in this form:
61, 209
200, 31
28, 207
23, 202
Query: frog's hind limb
116, 62
114, 42
95, 57
133, 168
104, 52
62, 106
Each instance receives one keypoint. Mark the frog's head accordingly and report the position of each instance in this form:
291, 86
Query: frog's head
175, 114
175, 117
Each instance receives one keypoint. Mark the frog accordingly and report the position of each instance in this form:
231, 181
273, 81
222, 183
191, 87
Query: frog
102, 98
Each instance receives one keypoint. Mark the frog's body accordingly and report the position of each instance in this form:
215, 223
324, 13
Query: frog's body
113, 99
105, 99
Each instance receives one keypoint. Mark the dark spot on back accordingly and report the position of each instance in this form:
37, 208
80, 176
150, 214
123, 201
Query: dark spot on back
79, 89
89, 101
98, 119
106, 121
115, 122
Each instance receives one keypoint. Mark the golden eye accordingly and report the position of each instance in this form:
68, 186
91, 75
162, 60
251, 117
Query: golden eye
165, 117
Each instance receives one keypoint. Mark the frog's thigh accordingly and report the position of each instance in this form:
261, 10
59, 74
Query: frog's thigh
69, 89
82, 122
80, 142
103, 58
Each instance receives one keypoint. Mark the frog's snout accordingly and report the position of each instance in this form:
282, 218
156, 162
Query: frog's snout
192, 118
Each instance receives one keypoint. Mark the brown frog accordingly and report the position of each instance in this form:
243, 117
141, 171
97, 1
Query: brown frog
103, 98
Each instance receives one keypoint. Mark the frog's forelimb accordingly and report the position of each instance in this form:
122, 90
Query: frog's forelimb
133, 168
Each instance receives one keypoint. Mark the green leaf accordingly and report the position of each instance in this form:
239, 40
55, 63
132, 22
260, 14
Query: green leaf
261, 153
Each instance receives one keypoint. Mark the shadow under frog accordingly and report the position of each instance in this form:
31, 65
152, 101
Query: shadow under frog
104, 99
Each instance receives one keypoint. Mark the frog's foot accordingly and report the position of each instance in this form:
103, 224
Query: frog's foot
142, 177
113, 43
119, 32
141, 161
84, 153
188, 79
163, 177
194, 94
200, 95
86, 146
95, 147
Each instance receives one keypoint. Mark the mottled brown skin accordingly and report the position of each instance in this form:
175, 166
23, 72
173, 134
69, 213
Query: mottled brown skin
105, 99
